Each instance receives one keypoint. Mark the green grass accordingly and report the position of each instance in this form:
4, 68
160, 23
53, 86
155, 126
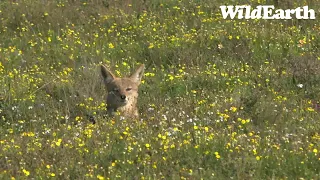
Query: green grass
221, 99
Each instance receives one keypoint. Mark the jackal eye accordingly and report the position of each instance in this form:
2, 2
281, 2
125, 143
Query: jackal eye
115, 90
128, 89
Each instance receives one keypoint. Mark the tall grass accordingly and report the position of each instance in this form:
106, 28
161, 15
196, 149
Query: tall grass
221, 99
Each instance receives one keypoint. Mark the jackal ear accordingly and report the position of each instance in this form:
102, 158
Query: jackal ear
106, 74
138, 74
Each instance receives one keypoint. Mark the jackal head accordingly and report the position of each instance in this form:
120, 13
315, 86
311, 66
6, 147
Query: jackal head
122, 91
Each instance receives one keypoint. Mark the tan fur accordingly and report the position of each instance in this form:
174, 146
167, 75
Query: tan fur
122, 93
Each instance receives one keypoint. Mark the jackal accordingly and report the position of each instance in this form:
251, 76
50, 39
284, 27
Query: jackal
122, 93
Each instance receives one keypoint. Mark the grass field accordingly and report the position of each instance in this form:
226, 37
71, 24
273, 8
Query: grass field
220, 98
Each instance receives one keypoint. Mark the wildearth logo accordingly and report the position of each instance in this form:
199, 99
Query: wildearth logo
266, 12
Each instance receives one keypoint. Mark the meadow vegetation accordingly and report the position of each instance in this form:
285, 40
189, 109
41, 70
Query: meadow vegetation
220, 99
